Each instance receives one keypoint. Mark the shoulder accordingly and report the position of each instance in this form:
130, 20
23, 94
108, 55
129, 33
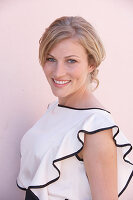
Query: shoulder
100, 133
97, 120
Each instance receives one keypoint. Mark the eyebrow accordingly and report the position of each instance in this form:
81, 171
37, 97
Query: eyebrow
66, 56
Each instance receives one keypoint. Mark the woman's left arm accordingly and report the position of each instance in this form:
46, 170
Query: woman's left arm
100, 160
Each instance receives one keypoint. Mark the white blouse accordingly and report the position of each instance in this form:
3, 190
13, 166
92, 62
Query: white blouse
50, 166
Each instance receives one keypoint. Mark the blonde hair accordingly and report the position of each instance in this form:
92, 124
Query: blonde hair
73, 27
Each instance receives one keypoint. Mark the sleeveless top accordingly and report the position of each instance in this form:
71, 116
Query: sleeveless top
50, 168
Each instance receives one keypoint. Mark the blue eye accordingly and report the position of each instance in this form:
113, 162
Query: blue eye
72, 61
51, 59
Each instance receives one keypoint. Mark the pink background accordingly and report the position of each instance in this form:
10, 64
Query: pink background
24, 90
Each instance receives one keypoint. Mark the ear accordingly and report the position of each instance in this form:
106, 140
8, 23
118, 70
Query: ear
91, 68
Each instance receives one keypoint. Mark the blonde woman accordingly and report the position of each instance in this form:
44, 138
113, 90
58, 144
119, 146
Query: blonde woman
75, 151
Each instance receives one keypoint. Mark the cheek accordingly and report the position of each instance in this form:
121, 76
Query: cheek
76, 70
47, 69
79, 73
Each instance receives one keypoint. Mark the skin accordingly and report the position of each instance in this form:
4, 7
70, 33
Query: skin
68, 61
100, 160
61, 65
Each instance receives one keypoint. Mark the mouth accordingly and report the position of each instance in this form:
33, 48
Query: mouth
61, 83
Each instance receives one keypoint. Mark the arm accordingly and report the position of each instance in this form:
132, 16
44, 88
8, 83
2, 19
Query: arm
100, 160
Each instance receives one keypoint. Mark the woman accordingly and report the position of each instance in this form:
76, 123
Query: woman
75, 151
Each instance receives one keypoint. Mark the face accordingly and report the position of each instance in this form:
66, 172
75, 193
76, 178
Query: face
66, 69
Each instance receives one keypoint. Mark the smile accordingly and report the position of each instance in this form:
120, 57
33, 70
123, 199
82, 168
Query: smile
61, 82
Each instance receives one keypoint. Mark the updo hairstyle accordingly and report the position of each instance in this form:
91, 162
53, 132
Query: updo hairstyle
73, 27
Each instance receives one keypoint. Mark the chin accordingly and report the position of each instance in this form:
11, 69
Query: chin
59, 94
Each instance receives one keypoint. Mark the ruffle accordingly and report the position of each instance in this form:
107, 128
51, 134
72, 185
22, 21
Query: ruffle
74, 141
125, 166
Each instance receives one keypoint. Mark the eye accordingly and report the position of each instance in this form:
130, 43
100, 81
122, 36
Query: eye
71, 61
50, 59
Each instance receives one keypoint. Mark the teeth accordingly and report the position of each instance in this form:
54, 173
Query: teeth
61, 82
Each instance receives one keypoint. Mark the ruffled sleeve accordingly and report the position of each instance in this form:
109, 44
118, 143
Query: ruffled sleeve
43, 165
103, 121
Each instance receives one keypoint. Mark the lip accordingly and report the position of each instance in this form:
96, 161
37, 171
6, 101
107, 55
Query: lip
60, 85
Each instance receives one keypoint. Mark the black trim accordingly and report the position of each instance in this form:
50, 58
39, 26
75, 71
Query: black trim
92, 132
20, 187
123, 145
95, 131
80, 159
82, 108
131, 175
30, 195
118, 145
75, 154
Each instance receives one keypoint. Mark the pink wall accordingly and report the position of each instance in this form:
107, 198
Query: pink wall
24, 90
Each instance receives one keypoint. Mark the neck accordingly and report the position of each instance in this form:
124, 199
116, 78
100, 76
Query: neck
77, 99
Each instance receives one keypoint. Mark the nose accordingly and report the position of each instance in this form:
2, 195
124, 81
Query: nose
60, 70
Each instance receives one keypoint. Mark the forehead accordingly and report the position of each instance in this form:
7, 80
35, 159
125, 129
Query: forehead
68, 46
